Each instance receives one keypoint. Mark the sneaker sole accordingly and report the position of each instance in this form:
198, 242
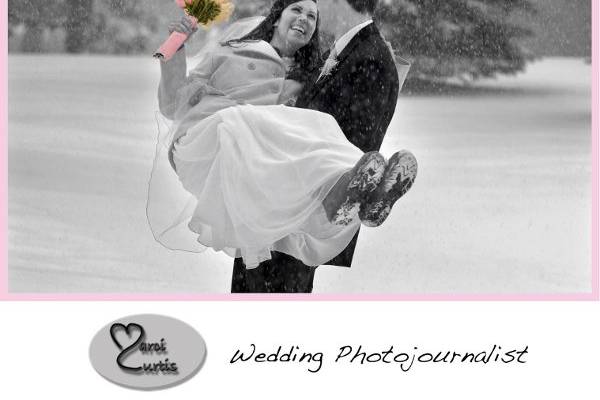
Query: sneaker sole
367, 176
398, 179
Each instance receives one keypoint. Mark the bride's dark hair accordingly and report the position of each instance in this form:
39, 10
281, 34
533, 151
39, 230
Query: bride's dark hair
307, 58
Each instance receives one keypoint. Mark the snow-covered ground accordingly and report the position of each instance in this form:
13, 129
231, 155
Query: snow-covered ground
502, 203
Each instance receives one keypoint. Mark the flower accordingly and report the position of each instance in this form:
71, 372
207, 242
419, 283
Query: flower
329, 66
226, 10
207, 11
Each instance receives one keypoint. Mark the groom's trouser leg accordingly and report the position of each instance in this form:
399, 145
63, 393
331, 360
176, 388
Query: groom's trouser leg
281, 274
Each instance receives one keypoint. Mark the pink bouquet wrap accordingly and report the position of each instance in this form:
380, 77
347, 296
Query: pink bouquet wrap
172, 44
199, 12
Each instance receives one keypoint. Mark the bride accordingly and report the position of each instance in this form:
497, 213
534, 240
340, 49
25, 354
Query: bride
239, 170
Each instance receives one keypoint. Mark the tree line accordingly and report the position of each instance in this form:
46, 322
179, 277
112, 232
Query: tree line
443, 39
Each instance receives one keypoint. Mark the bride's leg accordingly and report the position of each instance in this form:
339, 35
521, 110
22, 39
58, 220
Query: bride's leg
343, 200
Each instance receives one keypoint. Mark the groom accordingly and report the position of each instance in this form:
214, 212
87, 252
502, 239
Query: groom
358, 86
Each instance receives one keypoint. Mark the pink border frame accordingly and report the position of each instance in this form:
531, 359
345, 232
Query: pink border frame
594, 295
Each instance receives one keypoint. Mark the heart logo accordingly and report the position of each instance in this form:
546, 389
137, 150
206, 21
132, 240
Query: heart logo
116, 327
125, 351
122, 353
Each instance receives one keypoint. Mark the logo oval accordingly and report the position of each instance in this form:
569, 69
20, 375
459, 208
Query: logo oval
147, 352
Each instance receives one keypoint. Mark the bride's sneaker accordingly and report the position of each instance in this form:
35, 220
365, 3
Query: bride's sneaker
398, 178
343, 201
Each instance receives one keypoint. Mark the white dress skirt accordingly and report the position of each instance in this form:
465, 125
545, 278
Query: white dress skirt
250, 180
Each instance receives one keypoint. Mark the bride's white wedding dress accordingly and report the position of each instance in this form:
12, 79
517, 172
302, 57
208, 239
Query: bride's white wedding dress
251, 179
248, 179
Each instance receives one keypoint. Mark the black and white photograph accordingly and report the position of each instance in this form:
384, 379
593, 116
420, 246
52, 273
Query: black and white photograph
355, 147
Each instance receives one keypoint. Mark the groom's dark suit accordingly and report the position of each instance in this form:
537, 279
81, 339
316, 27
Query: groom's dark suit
361, 94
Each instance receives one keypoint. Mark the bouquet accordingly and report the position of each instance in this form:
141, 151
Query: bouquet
200, 12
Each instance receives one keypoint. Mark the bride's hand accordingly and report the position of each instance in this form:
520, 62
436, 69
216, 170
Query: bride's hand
183, 26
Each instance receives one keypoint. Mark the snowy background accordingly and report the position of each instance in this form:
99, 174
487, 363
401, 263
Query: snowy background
502, 203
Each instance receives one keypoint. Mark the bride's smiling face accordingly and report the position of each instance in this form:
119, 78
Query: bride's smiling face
295, 27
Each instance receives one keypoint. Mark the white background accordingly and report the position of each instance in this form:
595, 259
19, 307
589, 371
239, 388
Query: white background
45, 349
